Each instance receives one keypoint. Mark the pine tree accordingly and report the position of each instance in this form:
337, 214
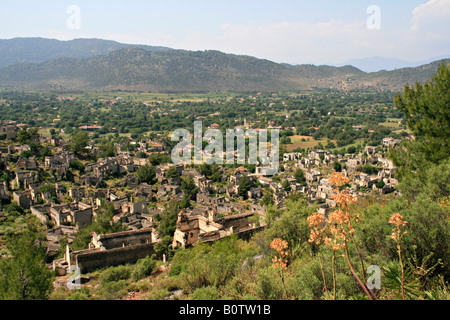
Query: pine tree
427, 112
24, 275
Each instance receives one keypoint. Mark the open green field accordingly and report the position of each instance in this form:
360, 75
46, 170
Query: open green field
45, 132
308, 142
393, 124
311, 143
153, 97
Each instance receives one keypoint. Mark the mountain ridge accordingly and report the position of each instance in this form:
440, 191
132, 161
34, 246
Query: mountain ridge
170, 70
36, 50
376, 63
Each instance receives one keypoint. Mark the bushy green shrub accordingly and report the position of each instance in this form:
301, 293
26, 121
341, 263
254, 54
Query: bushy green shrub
78, 295
143, 268
115, 274
269, 285
205, 293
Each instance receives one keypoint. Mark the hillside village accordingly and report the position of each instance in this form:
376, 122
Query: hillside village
65, 199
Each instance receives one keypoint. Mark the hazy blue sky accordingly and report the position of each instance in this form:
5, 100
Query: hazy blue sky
292, 31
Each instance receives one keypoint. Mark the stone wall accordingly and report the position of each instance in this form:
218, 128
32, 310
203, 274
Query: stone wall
237, 222
83, 216
248, 233
41, 212
125, 238
91, 259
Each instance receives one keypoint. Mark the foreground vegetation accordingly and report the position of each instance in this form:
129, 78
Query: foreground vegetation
378, 247
237, 269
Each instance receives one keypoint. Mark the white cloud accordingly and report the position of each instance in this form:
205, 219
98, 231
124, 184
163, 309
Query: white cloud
291, 42
428, 35
332, 41
435, 14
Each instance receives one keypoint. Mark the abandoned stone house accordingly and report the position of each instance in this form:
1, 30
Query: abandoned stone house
330, 158
64, 158
91, 180
121, 164
264, 171
190, 229
387, 164
103, 166
106, 194
255, 193
54, 237
233, 191
76, 213
128, 164
237, 223
291, 156
110, 250
193, 229
324, 190
305, 162
171, 181
391, 142
370, 150
5, 195
18, 148
24, 179
144, 190
116, 201
161, 170
204, 211
275, 186
54, 141
206, 199
353, 164
60, 190
278, 198
134, 215
258, 209
318, 155
204, 185
134, 207
8, 130
238, 175
155, 147
265, 180
130, 180
24, 199
387, 176
364, 180
59, 163
26, 163
77, 193
227, 208
312, 176
138, 162
167, 192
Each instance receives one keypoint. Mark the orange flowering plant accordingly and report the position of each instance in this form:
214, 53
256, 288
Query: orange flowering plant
338, 229
397, 220
280, 263
397, 234
280, 245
